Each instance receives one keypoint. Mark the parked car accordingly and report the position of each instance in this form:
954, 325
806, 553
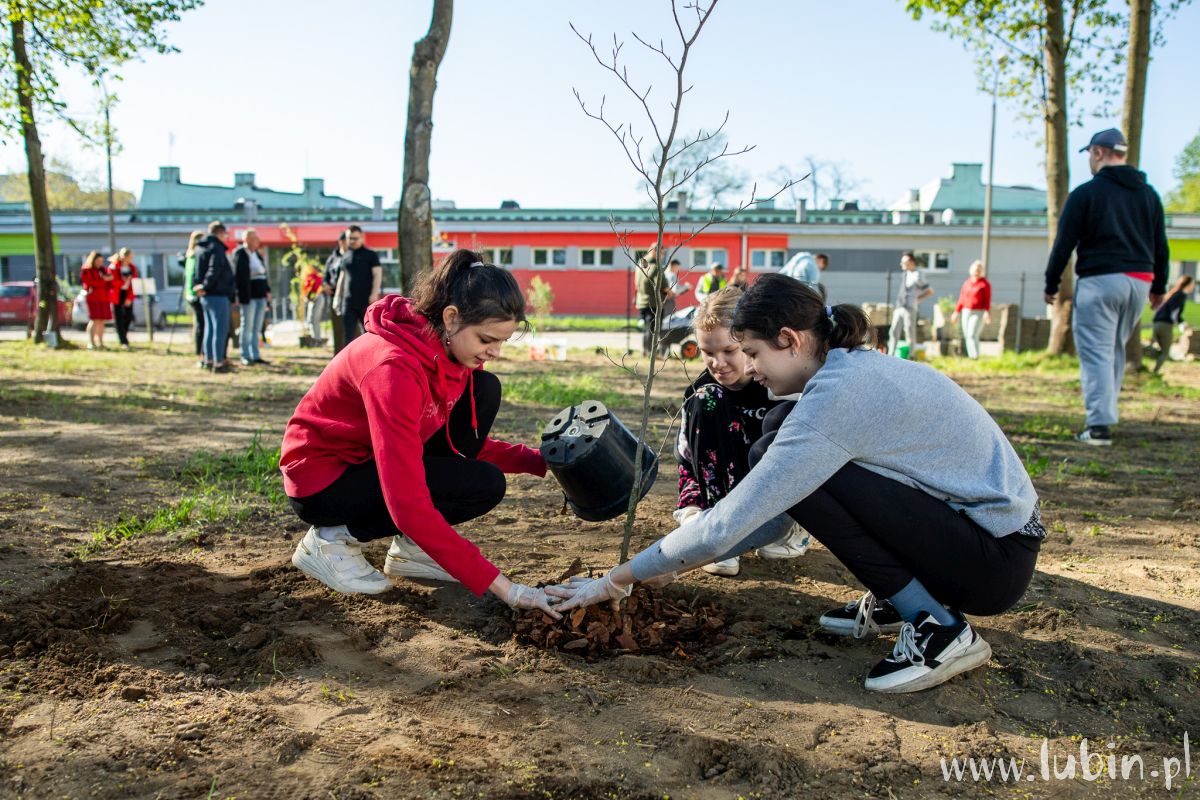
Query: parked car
18, 304
79, 314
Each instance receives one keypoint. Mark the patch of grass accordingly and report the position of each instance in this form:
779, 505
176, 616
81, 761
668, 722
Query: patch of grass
1036, 464
563, 323
1010, 363
1042, 426
165, 520
1156, 386
254, 470
1091, 469
559, 392
218, 487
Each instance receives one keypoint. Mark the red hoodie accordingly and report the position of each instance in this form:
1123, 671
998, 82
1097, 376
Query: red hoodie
382, 397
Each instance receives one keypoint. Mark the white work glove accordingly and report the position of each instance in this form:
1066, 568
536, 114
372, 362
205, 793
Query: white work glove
580, 591
686, 514
526, 597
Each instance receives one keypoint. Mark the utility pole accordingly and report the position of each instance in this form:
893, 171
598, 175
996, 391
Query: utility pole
987, 197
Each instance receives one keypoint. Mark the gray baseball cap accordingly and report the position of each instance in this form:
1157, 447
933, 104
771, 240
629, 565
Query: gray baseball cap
1110, 138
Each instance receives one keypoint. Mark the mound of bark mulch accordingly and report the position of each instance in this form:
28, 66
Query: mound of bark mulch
649, 622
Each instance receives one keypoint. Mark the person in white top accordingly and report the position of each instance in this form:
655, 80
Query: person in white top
913, 289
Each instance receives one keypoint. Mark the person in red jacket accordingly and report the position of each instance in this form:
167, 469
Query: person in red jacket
95, 279
974, 307
121, 292
392, 439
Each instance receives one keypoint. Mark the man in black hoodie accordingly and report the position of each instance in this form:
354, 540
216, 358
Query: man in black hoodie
1114, 223
216, 288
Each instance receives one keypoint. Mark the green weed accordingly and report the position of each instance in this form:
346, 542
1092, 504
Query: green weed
562, 323
218, 487
1036, 464
1010, 363
254, 470
165, 520
1156, 386
558, 392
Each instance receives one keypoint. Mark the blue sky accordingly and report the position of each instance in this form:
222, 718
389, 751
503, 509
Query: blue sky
288, 89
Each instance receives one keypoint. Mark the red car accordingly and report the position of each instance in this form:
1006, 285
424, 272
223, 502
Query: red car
18, 304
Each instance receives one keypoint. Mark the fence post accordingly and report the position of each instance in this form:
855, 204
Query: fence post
887, 299
1020, 311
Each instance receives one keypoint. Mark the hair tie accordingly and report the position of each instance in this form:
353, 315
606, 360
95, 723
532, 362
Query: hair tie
829, 314
475, 264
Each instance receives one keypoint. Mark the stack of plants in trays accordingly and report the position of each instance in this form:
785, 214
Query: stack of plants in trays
649, 621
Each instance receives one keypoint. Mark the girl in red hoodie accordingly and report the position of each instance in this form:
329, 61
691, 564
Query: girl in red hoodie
392, 439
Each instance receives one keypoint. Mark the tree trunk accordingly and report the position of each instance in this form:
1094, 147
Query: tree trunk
47, 316
1058, 174
416, 213
1138, 63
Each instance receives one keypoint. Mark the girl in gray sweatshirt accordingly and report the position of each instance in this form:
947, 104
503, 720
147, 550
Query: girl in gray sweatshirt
928, 505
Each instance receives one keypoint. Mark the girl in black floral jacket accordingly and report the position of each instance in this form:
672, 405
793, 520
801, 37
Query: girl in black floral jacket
722, 417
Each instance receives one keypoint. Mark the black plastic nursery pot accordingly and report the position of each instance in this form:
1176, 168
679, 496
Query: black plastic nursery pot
591, 453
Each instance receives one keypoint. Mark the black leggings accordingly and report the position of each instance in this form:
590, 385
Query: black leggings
887, 533
123, 315
198, 325
461, 488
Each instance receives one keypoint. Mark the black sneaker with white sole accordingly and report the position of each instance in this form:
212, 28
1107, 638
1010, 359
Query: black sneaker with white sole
1097, 435
928, 653
862, 618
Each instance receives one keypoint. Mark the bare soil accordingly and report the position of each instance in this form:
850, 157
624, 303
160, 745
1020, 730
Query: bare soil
196, 662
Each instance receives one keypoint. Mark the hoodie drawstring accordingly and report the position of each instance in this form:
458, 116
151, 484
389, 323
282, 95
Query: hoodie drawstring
441, 376
471, 392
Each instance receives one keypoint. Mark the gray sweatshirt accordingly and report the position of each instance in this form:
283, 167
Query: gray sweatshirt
900, 419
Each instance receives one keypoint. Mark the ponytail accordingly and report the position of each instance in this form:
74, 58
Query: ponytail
776, 302
479, 291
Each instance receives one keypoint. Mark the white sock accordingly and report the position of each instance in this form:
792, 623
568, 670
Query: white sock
331, 534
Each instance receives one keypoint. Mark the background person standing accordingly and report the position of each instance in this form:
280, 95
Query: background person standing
189, 294
822, 264
652, 294
121, 292
803, 267
95, 279
1170, 314
1114, 223
254, 292
217, 288
315, 299
913, 289
333, 269
974, 307
710, 282
359, 282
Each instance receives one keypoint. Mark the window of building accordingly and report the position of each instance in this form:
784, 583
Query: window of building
933, 260
549, 257
500, 256
589, 257
704, 258
762, 259
173, 270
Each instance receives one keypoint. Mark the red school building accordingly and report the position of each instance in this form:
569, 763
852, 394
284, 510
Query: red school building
586, 267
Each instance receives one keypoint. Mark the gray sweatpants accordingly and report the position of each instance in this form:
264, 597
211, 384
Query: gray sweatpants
904, 326
1107, 307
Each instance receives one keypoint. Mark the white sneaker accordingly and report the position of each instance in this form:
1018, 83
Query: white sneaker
728, 568
338, 562
406, 560
794, 545
927, 654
